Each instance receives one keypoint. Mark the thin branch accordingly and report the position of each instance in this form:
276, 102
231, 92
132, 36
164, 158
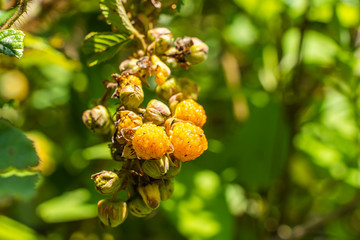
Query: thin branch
21, 9
302, 230
128, 24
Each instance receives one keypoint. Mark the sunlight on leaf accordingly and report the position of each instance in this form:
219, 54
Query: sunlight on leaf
13, 230
16, 150
236, 199
115, 14
241, 32
318, 48
18, 184
102, 46
11, 42
70, 206
207, 183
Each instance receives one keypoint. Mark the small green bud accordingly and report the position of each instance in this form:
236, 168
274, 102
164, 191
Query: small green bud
150, 194
189, 88
166, 189
162, 39
97, 119
112, 212
106, 182
174, 100
131, 95
156, 112
173, 170
129, 66
128, 151
156, 168
138, 208
198, 52
168, 89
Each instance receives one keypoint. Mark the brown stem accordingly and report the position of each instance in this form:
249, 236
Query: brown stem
302, 230
130, 27
21, 9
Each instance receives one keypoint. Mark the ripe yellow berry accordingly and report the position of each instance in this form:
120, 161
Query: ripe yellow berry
189, 110
160, 70
188, 140
128, 80
150, 141
129, 119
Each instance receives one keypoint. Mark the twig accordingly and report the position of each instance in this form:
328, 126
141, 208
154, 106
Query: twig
21, 9
128, 24
302, 230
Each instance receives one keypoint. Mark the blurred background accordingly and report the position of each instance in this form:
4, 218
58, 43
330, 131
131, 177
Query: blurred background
281, 91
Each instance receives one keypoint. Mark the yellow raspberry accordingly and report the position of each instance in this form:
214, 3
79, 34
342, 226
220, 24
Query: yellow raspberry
188, 140
189, 110
128, 80
129, 119
150, 141
160, 70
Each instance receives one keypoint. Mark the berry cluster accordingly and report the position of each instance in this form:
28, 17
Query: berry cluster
152, 142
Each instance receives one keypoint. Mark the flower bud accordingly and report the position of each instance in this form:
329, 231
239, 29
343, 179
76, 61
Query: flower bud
173, 170
166, 189
174, 100
97, 119
131, 96
128, 119
168, 89
189, 88
162, 39
106, 182
112, 212
128, 151
198, 52
126, 79
156, 168
138, 208
129, 66
156, 112
160, 70
150, 194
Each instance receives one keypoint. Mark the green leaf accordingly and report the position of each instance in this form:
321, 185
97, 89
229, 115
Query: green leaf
11, 42
102, 46
115, 14
18, 184
13, 230
16, 150
69, 206
261, 149
6, 15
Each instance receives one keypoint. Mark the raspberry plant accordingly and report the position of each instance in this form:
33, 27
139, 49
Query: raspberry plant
151, 142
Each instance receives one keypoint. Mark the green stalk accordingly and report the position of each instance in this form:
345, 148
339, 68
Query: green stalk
21, 9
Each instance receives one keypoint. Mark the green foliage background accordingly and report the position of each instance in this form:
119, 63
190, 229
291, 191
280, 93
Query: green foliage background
281, 91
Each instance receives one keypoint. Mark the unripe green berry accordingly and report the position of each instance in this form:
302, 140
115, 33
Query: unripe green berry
198, 52
138, 208
173, 170
156, 112
112, 212
106, 182
150, 194
161, 39
156, 168
168, 89
166, 189
130, 66
131, 96
97, 119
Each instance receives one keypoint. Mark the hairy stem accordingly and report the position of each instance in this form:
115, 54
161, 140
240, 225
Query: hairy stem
129, 26
21, 9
